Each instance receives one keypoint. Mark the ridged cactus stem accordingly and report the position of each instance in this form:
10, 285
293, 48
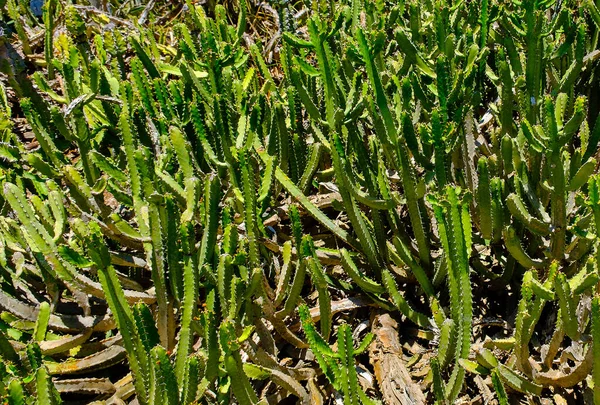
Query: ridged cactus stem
49, 11
455, 232
558, 205
190, 294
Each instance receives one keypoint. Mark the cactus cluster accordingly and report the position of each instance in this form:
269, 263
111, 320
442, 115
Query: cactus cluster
220, 211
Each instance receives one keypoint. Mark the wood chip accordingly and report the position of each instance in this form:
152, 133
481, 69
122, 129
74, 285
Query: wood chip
385, 354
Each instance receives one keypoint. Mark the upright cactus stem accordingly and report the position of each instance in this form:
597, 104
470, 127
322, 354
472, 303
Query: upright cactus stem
339, 367
454, 227
138, 358
49, 24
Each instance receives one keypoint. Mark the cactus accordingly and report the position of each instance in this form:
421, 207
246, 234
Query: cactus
138, 360
455, 231
189, 301
338, 366
204, 188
